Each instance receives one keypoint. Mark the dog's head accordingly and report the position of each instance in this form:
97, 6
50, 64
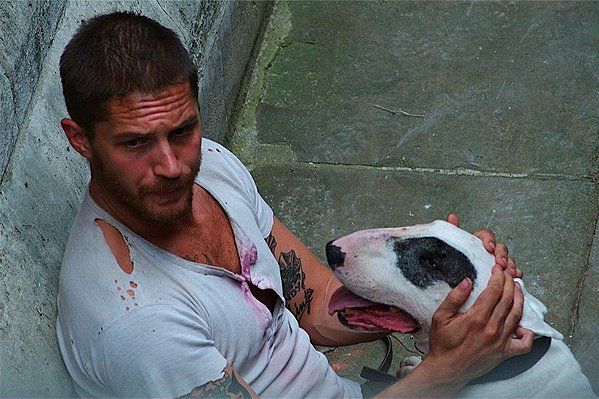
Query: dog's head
396, 278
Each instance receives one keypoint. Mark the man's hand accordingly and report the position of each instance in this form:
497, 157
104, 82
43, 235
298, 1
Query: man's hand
500, 251
484, 336
464, 346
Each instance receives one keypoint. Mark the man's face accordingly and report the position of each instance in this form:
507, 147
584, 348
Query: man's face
146, 155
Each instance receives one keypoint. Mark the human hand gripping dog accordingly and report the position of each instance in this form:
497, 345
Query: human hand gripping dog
459, 346
463, 346
464, 310
499, 250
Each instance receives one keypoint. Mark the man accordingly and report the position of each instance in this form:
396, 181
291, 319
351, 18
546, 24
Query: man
169, 285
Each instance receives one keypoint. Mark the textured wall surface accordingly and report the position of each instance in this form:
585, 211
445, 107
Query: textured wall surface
25, 38
42, 180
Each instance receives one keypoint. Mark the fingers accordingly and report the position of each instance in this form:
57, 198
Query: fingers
453, 219
511, 266
522, 343
503, 308
488, 238
515, 313
519, 273
501, 255
453, 302
488, 299
500, 250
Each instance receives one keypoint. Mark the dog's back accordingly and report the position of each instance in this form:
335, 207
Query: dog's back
556, 375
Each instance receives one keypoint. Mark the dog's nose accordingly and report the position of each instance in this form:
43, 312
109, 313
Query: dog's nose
335, 257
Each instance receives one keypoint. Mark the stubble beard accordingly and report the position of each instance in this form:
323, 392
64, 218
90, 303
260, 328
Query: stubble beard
136, 203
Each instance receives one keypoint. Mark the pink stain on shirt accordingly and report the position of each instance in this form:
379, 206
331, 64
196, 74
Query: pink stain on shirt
249, 256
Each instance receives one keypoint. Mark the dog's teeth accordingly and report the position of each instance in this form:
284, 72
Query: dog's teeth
349, 311
393, 309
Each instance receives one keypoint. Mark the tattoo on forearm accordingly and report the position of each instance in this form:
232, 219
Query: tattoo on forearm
271, 242
294, 278
226, 387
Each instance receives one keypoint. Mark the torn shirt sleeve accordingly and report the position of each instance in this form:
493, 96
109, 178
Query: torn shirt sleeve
159, 351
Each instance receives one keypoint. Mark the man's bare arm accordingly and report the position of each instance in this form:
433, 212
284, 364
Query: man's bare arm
308, 285
231, 385
307, 288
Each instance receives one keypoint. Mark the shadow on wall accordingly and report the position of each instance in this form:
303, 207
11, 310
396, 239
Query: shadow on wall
43, 179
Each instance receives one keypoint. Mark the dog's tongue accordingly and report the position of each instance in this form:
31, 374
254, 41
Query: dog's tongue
343, 298
369, 315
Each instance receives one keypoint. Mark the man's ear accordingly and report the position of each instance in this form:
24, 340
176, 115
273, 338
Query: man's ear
76, 136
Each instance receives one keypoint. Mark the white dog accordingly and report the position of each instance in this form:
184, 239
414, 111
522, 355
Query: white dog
396, 278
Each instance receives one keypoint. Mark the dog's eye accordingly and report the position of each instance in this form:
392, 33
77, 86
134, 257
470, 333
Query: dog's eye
429, 262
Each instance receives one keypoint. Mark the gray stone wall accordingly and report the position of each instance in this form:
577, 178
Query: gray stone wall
42, 180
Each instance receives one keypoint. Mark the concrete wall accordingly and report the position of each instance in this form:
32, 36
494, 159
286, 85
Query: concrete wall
42, 180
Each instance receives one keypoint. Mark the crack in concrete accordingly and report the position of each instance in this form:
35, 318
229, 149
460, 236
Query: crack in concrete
34, 95
285, 45
405, 346
172, 19
575, 312
459, 172
282, 46
267, 68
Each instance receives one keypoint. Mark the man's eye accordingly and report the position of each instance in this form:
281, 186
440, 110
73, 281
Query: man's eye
135, 143
182, 132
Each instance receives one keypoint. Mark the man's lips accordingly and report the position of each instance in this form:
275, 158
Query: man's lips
168, 194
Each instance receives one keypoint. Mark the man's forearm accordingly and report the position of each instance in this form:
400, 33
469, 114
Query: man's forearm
307, 288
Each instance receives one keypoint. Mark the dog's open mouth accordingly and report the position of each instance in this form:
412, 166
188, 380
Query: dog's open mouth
360, 313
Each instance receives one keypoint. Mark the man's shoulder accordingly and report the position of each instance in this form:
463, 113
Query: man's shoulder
223, 171
86, 241
218, 160
93, 282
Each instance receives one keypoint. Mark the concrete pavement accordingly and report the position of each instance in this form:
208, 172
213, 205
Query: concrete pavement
371, 114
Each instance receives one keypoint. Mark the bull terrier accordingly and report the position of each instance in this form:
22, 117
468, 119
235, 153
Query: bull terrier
395, 279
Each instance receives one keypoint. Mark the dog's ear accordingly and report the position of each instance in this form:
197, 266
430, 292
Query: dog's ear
425, 260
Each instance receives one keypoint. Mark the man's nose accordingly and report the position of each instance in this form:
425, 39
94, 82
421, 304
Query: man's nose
335, 257
167, 165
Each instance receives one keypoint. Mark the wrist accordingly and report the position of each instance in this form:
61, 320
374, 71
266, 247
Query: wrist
440, 380
427, 380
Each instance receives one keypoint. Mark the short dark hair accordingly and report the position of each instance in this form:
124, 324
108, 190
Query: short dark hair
118, 54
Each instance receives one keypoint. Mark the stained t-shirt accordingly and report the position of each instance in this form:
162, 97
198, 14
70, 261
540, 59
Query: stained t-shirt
171, 324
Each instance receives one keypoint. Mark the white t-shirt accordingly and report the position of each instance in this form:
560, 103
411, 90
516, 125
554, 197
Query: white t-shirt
172, 324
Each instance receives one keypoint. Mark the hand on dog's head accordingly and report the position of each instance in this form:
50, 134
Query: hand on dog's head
414, 268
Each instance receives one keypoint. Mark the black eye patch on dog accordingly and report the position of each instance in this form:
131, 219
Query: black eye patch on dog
425, 260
